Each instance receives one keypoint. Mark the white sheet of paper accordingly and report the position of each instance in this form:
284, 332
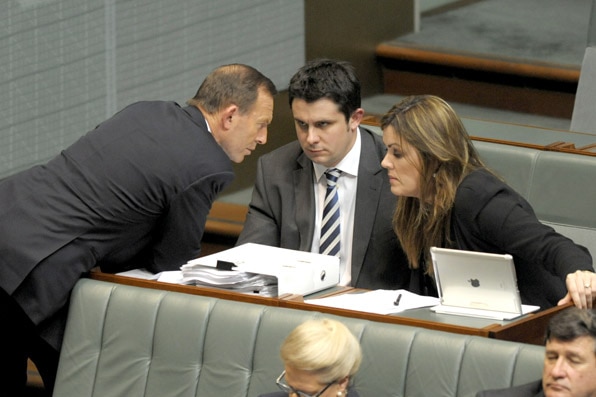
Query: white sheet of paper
378, 301
139, 273
174, 276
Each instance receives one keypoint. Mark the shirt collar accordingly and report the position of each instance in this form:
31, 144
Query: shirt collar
348, 165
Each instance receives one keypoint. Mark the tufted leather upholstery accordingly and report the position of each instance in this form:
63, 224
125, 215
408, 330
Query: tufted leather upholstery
515, 164
558, 185
132, 342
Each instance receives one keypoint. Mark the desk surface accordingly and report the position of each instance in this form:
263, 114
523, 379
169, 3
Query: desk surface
528, 329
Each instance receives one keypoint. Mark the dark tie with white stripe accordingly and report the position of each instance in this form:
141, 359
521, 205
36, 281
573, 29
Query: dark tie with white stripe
330, 238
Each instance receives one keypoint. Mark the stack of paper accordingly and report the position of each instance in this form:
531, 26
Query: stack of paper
258, 266
237, 281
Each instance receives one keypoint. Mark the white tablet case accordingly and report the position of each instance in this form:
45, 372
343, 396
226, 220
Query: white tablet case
477, 284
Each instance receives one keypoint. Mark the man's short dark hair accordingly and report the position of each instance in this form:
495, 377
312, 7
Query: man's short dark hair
571, 324
234, 84
327, 78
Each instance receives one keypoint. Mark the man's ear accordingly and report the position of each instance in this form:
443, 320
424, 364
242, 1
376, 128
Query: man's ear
227, 116
356, 118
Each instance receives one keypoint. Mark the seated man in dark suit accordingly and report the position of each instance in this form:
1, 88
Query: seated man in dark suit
290, 195
569, 362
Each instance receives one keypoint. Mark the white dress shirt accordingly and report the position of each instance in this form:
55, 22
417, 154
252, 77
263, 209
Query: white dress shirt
346, 190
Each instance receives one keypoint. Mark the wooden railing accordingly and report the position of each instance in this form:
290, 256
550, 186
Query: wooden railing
479, 79
556, 146
226, 218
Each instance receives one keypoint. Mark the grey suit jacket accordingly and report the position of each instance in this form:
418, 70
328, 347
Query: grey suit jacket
282, 211
533, 389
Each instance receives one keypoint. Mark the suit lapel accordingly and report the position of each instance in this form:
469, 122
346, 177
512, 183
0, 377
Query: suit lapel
303, 192
370, 181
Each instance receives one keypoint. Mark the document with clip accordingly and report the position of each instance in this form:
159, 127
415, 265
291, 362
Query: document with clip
297, 272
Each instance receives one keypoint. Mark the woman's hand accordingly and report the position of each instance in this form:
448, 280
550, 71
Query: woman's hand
581, 289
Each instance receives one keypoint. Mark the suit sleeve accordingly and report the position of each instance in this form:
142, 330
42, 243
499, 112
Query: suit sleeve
261, 225
514, 228
181, 230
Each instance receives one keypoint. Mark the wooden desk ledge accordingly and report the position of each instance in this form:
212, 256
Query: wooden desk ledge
226, 219
588, 148
34, 380
558, 146
466, 60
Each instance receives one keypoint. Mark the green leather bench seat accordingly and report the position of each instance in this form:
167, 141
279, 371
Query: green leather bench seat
563, 193
560, 186
125, 341
513, 163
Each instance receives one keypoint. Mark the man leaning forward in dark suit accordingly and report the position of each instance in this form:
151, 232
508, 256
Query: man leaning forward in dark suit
569, 359
134, 192
288, 197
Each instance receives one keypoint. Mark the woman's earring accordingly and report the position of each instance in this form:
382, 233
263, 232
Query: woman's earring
340, 393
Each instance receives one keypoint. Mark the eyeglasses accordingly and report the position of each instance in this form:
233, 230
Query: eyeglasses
289, 389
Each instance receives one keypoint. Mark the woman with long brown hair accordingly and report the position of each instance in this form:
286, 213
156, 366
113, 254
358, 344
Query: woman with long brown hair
449, 198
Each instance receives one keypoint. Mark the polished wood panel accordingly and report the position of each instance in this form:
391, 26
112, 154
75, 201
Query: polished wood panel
479, 79
483, 62
226, 218
34, 381
556, 146
530, 328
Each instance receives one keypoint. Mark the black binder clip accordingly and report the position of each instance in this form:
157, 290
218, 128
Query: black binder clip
224, 265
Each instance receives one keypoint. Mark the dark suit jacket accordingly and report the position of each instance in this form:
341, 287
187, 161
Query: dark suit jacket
282, 211
489, 216
134, 192
533, 389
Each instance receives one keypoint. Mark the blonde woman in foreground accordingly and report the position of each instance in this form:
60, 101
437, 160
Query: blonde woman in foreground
320, 357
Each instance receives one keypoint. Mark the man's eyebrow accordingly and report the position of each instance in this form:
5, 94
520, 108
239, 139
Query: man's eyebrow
316, 121
574, 354
328, 121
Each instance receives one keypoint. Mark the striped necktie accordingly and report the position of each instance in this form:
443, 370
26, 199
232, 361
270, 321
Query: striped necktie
330, 238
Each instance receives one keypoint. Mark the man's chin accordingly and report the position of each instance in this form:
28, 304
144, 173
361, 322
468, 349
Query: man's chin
240, 157
318, 158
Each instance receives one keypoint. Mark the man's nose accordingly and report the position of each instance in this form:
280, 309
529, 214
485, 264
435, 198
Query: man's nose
559, 368
312, 135
262, 137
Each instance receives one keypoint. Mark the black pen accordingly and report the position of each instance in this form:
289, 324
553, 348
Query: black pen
396, 303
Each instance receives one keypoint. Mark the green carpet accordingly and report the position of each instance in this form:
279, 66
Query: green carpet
552, 31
